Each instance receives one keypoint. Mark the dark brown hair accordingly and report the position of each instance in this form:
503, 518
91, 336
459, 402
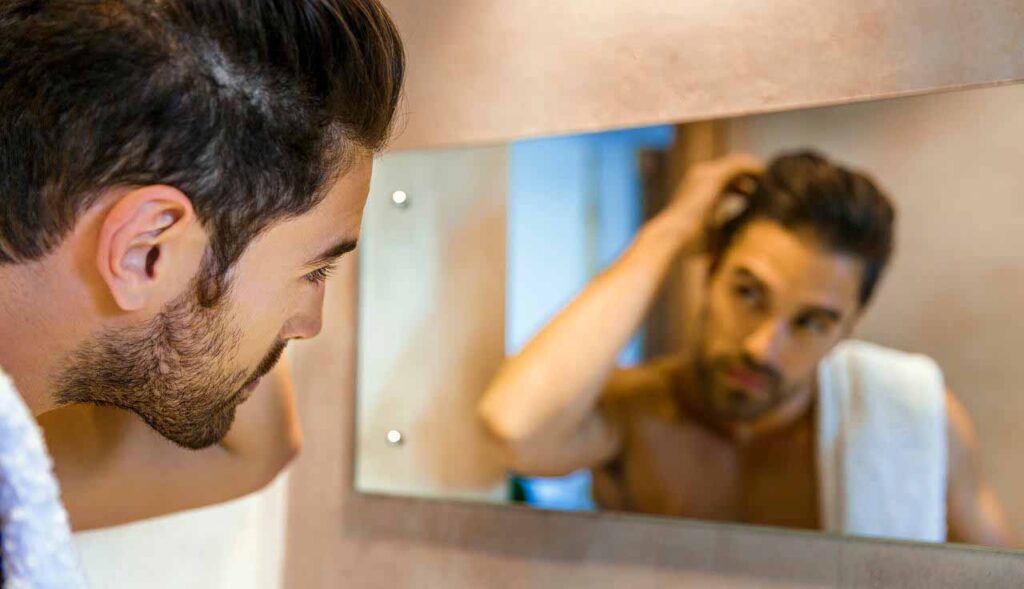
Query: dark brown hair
804, 191
249, 107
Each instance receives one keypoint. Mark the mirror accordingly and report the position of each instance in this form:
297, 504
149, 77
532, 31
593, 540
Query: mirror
753, 386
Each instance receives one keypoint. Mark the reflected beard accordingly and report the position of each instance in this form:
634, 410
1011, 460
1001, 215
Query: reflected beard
729, 403
173, 372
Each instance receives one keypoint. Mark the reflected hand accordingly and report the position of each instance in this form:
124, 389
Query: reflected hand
696, 204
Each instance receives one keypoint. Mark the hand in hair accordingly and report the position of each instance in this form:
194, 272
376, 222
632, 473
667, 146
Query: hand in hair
699, 200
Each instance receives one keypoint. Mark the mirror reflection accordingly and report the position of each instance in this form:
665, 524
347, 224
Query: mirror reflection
802, 320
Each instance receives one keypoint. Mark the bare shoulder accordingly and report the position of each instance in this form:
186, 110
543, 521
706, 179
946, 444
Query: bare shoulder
962, 437
650, 378
645, 388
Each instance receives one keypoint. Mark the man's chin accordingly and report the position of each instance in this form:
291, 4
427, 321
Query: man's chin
743, 415
196, 434
740, 413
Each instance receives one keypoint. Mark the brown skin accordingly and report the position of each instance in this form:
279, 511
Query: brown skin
672, 463
115, 469
725, 432
777, 303
111, 466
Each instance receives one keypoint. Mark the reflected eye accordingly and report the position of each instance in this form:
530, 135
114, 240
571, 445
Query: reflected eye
320, 276
748, 294
813, 324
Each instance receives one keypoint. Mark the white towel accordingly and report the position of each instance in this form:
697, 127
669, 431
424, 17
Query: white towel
37, 550
882, 444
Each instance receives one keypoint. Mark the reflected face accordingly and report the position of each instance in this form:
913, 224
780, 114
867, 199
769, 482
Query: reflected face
776, 305
187, 369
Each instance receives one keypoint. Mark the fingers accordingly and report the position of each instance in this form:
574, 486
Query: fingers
728, 208
738, 185
699, 203
737, 163
720, 171
706, 180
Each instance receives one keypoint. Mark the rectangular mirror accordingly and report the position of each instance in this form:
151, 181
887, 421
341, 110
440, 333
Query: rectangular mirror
763, 383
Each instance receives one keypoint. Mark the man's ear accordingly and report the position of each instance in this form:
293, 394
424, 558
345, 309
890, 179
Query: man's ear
150, 246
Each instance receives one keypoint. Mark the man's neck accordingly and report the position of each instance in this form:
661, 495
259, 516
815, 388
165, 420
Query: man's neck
36, 327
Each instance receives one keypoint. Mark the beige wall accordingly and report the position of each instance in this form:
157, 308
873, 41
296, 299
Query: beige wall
487, 71
953, 165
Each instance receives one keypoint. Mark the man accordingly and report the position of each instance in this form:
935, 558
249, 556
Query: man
770, 417
177, 180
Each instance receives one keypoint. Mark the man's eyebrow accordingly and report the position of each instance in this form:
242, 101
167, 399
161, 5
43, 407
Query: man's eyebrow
332, 253
829, 313
744, 272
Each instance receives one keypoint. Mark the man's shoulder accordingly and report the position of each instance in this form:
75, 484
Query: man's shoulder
654, 377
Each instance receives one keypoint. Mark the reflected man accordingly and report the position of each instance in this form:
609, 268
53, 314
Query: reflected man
772, 415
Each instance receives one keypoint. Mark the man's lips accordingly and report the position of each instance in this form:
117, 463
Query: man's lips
747, 379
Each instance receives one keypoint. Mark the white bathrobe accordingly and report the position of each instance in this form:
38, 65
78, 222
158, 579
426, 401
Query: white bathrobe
882, 444
37, 551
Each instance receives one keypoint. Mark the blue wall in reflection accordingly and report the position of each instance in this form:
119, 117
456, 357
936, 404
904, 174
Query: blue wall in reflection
574, 204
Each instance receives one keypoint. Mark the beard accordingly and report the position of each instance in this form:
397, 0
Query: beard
175, 372
732, 403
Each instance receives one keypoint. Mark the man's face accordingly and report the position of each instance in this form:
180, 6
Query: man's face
186, 370
776, 305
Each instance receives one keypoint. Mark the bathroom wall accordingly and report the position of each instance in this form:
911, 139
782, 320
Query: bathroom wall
482, 71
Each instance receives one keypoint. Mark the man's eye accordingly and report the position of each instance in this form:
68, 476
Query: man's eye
748, 294
813, 324
319, 276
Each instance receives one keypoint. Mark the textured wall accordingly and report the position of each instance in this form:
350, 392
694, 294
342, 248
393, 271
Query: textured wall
485, 71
